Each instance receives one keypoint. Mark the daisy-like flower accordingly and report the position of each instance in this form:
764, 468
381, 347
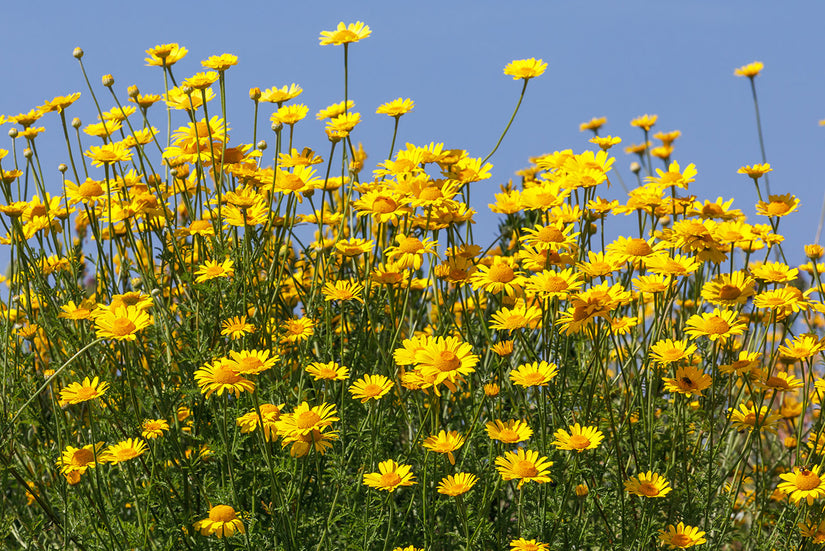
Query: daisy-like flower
121, 323
125, 450
280, 95
745, 363
593, 124
519, 317
716, 325
78, 460
297, 330
220, 377
498, 277
525, 68
153, 428
269, 414
579, 439
524, 465
605, 142
390, 476
327, 371
252, 362
779, 381
755, 171
236, 327
802, 347
345, 34
370, 387
444, 442
689, 380
334, 110
354, 246
774, 272
455, 485
290, 114
729, 289
750, 70
76, 393
110, 153
645, 122
522, 544
396, 108
549, 284
668, 351
778, 205
648, 484
510, 432
446, 359
222, 522
305, 419
681, 536
802, 484
816, 532
534, 374
555, 237
165, 55
343, 291
221, 62
747, 418
211, 270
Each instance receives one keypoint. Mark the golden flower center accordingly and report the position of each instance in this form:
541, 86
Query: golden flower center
716, 325
446, 361
579, 442
555, 284
222, 513
306, 419
672, 354
270, 410
82, 457
249, 364
384, 205
729, 292
126, 453
501, 273
345, 36
638, 247
123, 326
550, 234
749, 419
371, 389
90, 188
534, 378
777, 382
390, 479
778, 208
430, 194
648, 489
86, 393
38, 210
680, 540
200, 225
525, 469
410, 245
225, 376
508, 436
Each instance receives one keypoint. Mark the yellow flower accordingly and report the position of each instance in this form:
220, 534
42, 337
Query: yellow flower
221, 377
109, 153
280, 95
269, 414
165, 55
221, 62
396, 107
511, 432
747, 418
251, 362
290, 114
579, 439
802, 484
755, 171
593, 124
525, 68
668, 351
343, 291
370, 387
297, 330
446, 359
605, 142
222, 522
455, 485
77, 393
345, 34
518, 317
689, 380
153, 428
716, 325
211, 270
121, 322
327, 371
524, 465
390, 476
305, 419
681, 536
750, 70
648, 484
77, 460
236, 327
445, 442
778, 205
522, 544
644, 122
125, 450
534, 374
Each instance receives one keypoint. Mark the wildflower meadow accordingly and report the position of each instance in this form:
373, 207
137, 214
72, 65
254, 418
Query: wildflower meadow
245, 343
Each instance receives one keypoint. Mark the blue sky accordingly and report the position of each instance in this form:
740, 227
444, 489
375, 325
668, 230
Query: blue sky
612, 59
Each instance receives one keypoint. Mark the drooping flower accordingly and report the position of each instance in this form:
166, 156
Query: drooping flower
222, 522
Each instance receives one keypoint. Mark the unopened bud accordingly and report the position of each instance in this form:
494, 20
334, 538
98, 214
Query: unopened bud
186, 89
277, 126
133, 91
76, 123
261, 145
255, 93
77, 53
28, 153
635, 167
62, 168
13, 133
107, 80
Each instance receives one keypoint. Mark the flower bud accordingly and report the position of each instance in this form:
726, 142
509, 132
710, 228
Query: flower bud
255, 93
261, 145
107, 80
62, 168
276, 126
76, 123
133, 91
582, 490
635, 167
814, 252
28, 153
13, 132
77, 53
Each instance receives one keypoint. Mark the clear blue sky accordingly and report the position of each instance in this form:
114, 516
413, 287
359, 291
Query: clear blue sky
606, 58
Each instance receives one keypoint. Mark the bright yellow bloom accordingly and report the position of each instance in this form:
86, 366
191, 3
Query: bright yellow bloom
121, 323
221, 377
644, 122
579, 439
444, 442
396, 108
125, 450
221, 62
455, 485
689, 380
390, 476
524, 465
165, 55
153, 428
370, 387
681, 536
522, 544
750, 70
222, 522
668, 351
343, 291
511, 432
76, 393
802, 484
747, 418
716, 325
648, 484
106, 154
345, 34
534, 374
525, 68
211, 270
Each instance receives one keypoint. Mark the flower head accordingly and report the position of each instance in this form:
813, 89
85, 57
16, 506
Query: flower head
121, 323
681, 536
222, 522
525, 68
524, 465
750, 70
345, 34
125, 450
165, 55
220, 377
76, 393
455, 485
648, 484
445, 442
370, 387
579, 439
510, 432
390, 476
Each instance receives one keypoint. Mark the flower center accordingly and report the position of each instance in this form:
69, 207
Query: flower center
390, 479
410, 245
82, 457
648, 489
550, 234
579, 442
447, 361
306, 419
777, 382
86, 393
555, 284
430, 194
501, 273
508, 436
371, 389
222, 513
716, 326
225, 376
681, 540
384, 205
525, 469
249, 365
729, 292
534, 378
90, 188
638, 247
122, 326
